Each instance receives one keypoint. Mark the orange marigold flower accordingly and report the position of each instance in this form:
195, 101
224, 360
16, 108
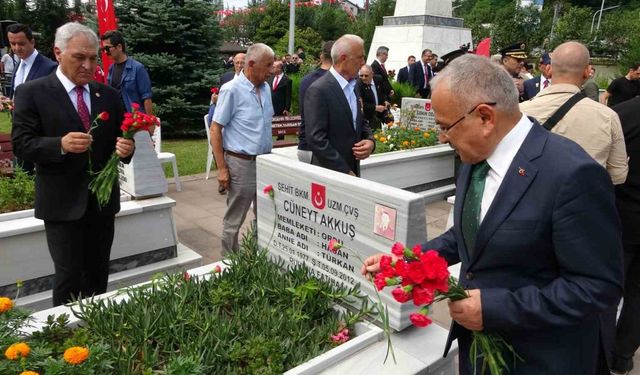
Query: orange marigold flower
17, 350
426, 134
6, 304
75, 355
29, 373
405, 143
383, 139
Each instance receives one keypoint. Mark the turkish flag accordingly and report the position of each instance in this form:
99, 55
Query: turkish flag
318, 195
483, 48
106, 22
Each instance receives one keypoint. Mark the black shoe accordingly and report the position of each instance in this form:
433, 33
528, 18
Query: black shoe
222, 190
621, 366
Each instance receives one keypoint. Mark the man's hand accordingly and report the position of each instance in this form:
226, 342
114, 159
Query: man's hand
286, 113
223, 177
468, 312
124, 147
380, 108
371, 264
363, 149
76, 142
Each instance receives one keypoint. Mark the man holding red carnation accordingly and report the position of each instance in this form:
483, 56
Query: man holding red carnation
51, 128
535, 230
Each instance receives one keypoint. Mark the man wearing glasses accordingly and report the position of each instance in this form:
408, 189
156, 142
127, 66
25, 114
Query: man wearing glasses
128, 76
535, 228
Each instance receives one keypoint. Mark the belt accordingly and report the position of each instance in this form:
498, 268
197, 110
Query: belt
240, 156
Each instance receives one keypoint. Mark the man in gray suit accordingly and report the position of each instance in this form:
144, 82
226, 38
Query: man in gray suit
336, 131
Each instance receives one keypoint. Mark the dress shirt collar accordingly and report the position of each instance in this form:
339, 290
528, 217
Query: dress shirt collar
503, 155
29, 60
542, 79
341, 81
66, 82
244, 82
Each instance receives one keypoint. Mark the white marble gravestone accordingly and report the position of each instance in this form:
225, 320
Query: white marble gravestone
416, 25
143, 177
425, 118
314, 205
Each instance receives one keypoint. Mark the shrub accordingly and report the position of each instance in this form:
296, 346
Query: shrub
17, 192
402, 90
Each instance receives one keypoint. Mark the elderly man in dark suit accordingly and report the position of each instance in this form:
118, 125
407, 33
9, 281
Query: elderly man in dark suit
280, 90
403, 73
540, 82
627, 339
50, 128
335, 128
535, 228
370, 92
32, 65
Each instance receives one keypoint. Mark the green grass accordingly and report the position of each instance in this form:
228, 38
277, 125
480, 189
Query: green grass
191, 155
5, 123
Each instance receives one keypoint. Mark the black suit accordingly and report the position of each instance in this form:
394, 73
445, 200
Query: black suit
416, 78
381, 76
403, 75
329, 126
227, 76
79, 234
532, 88
281, 96
369, 103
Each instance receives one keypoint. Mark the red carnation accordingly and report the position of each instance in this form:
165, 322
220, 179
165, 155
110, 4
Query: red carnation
104, 116
422, 296
214, 90
334, 245
401, 295
267, 189
380, 281
135, 106
419, 320
398, 249
416, 272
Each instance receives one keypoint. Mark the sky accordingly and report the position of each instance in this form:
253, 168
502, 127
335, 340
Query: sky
243, 3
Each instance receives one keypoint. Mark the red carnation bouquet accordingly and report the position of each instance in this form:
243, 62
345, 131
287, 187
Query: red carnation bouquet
102, 182
424, 278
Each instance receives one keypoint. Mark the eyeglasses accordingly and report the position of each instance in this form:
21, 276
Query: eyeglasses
446, 130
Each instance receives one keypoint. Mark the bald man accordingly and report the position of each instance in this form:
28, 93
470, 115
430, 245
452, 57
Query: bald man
592, 125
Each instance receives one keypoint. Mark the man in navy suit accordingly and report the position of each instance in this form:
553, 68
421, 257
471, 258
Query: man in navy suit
335, 128
403, 73
32, 65
533, 86
421, 74
535, 228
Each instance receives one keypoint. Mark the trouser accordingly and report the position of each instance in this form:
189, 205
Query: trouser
305, 156
242, 193
628, 327
80, 250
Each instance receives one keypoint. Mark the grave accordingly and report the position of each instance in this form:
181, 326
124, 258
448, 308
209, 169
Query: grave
314, 205
424, 119
143, 177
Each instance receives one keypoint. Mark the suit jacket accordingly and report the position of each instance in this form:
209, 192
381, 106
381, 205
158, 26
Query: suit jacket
416, 78
531, 88
226, 77
381, 75
547, 259
329, 126
42, 66
628, 194
281, 96
403, 75
368, 100
43, 115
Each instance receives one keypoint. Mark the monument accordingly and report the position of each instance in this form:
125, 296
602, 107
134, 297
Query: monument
314, 205
416, 25
143, 177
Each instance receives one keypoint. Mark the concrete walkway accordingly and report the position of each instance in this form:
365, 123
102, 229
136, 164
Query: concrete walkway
200, 208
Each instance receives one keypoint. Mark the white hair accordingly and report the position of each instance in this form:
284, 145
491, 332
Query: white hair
343, 46
258, 51
476, 80
71, 29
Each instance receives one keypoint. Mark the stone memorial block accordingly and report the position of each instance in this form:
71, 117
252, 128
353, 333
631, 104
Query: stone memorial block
314, 205
143, 177
425, 118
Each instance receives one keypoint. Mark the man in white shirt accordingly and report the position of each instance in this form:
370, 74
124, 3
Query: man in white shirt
32, 65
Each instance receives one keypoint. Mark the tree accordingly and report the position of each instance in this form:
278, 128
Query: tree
367, 21
177, 42
45, 18
306, 38
331, 21
274, 23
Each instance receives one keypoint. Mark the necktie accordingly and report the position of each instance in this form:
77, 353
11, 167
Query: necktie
426, 76
383, 68
83, 110
472, 202
545, 84
275, 83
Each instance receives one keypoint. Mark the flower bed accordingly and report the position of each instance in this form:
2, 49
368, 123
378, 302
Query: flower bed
248, 318
17, 192
396, 137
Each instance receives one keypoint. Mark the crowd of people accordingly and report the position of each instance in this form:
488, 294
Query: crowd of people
547, 199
